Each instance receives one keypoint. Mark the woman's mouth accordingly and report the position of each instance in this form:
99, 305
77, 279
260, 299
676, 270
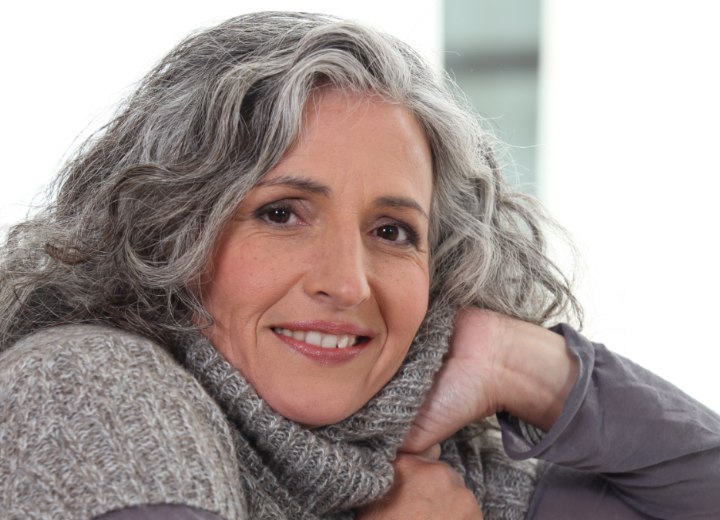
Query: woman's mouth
320, 345
321, 339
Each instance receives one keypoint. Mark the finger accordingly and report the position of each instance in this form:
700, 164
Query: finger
414, 466
438, 417
432, 453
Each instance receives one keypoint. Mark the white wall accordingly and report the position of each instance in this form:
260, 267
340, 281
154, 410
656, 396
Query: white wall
66, 64
629, 146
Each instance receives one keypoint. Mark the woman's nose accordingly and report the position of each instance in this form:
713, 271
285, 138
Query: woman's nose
338, 274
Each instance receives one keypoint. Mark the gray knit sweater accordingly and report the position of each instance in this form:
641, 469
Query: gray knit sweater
94, 419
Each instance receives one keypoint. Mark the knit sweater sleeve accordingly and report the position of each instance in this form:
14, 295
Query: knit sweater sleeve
93, 419
627, 445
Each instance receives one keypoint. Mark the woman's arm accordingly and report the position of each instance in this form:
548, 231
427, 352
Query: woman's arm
654, 447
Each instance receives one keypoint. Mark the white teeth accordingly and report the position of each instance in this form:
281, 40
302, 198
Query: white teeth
314, 338
318, 338
328, 341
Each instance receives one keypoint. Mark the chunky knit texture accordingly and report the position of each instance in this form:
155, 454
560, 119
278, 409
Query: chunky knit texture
94, 419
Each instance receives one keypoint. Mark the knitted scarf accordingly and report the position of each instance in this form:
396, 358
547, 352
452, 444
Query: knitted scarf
290, 471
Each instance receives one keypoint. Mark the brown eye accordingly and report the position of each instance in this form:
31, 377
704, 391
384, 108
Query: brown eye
387, 232
279, 215
397, 234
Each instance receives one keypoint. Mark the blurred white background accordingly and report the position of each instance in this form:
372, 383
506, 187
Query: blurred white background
629, 164
628, 155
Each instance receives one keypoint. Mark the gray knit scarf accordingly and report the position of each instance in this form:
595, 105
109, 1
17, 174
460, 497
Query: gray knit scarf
293, 472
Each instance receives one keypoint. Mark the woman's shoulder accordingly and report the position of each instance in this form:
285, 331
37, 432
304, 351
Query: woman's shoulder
58, 365
94, 418
80, 345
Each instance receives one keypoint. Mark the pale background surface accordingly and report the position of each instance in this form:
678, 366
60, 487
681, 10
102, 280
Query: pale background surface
629, 161
627, 139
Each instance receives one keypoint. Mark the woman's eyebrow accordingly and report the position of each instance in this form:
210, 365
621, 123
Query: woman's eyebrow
297, 182
401, 202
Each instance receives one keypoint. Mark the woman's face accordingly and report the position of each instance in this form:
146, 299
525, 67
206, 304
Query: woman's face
321, 281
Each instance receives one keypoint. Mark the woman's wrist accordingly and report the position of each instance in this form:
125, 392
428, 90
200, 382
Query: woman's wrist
536, 374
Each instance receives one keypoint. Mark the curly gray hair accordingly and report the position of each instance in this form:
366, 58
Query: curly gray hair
137, 211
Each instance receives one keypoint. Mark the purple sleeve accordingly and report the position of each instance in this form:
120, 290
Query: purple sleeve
159, 512
627, 444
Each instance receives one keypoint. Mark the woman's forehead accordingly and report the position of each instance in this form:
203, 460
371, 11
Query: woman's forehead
361, 137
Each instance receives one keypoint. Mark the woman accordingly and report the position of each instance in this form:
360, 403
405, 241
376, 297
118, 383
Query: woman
240, 305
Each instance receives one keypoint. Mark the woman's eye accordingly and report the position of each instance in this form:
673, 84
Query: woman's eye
392, 233
397, 234
277, 214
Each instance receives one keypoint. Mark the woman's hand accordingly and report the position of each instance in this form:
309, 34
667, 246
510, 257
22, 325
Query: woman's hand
495, 363
424, 489
465, 388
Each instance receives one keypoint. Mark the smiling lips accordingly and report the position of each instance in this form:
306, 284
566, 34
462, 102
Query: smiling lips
320, 339
322, 345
